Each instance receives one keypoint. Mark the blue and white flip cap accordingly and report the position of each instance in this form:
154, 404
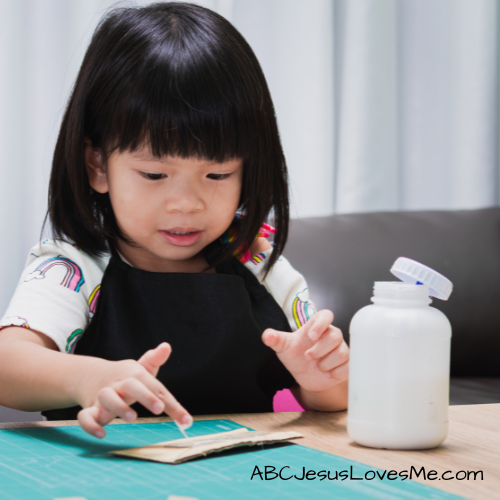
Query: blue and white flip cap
411, 271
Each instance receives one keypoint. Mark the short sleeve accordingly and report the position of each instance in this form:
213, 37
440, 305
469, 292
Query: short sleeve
57, 292
287, 286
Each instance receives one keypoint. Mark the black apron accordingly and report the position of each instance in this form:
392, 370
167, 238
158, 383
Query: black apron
214, 324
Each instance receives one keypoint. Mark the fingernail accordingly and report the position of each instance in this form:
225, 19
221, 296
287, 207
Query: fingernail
99, 434
186, 421
129, 416
157, 407
308, 356
313, 335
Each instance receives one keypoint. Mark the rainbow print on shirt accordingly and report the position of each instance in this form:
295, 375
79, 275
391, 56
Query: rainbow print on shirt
94, 297
73, 279
302, 308
72, 341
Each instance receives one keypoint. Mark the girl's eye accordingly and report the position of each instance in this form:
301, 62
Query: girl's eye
218, 177
153, 177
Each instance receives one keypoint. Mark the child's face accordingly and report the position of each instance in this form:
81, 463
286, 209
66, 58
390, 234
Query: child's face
171, 208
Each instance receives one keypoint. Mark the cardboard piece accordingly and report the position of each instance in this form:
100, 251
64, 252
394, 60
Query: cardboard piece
180, 450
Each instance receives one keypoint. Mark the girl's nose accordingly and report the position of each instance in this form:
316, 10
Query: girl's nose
184, 199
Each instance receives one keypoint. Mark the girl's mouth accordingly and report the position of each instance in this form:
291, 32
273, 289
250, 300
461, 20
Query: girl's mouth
181, 238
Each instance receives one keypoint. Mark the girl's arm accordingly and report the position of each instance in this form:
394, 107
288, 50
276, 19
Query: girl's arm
35, 376
333, 399
320, 365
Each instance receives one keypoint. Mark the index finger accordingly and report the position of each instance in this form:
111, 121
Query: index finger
93, 419
319, 323
170, 404
175, 410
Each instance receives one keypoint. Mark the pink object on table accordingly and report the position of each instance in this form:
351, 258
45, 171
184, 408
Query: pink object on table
284, 401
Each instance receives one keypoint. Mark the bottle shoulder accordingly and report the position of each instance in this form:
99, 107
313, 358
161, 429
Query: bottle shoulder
400, 321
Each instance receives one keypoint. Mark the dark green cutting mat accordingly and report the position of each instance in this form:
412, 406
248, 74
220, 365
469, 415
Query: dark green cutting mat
47, 463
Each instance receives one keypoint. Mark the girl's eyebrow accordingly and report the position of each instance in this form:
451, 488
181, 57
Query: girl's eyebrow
145, 156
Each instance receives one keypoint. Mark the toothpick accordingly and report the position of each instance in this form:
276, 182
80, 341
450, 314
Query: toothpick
181, 428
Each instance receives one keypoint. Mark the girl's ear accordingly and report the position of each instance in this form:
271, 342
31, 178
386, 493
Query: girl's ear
93, 163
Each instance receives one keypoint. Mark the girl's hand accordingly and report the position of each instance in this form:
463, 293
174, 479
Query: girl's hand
315, 354
123, 383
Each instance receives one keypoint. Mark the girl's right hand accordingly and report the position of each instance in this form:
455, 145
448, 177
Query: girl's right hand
125, 383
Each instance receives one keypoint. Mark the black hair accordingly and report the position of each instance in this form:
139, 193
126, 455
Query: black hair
182, 80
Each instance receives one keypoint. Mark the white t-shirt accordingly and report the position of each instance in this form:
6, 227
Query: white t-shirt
59, 290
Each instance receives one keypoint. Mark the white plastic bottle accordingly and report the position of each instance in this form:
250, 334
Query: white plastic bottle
400, 363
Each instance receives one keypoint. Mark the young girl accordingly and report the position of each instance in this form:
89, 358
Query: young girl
167, 165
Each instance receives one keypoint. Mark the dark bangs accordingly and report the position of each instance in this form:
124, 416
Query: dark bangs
175, 86
181, 80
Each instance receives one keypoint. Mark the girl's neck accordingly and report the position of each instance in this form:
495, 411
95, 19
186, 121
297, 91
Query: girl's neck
140, 260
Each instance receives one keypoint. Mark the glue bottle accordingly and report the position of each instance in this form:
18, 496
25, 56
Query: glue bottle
400, 362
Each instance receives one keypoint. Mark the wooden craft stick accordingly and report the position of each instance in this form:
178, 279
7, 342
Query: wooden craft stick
180, 450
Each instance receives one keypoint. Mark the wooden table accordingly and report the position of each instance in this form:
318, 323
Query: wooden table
473, 444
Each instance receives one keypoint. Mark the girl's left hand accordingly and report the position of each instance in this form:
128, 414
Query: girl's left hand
315, 354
